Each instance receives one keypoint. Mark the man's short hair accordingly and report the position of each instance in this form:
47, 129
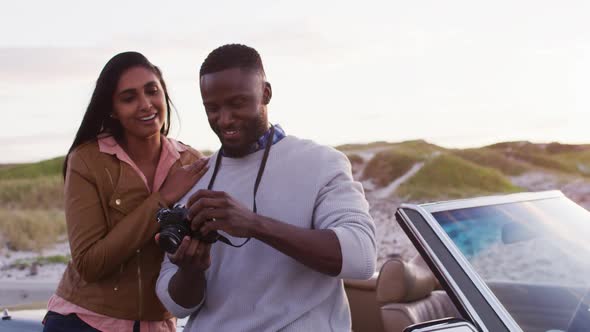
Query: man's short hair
232, 56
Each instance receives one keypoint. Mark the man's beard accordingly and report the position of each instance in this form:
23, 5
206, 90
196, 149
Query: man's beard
253, 130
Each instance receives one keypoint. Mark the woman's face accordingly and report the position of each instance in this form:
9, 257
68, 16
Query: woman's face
139, 103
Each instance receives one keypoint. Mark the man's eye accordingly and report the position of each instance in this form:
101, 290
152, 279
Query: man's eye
238, 102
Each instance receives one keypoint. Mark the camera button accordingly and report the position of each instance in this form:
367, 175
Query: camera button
118, 201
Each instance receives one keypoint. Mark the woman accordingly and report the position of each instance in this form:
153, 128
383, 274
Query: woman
119, 171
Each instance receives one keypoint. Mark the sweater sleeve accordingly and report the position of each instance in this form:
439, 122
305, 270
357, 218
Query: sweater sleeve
167, 271
341, 206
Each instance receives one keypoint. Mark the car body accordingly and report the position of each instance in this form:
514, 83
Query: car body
517, 262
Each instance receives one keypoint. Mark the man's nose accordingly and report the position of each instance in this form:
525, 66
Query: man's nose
225, 118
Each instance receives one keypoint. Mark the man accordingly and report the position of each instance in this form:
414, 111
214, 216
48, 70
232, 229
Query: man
307, 220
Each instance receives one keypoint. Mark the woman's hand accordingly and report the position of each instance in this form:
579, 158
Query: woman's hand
182, 180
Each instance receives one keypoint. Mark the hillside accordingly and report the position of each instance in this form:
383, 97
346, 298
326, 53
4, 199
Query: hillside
417, 171
31, 195
441, 173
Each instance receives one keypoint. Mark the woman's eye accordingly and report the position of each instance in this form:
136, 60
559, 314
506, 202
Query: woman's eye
153, 91
128, 99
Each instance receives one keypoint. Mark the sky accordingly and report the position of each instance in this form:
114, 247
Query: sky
455, 73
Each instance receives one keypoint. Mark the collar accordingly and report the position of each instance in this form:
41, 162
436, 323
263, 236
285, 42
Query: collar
107, 144
170, 153
261, 141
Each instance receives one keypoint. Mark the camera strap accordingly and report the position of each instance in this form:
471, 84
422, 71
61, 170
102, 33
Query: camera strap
269, 143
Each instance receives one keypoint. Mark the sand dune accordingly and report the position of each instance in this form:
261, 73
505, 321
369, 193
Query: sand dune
22, 285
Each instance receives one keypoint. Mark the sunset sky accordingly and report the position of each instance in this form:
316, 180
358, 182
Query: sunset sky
456, 73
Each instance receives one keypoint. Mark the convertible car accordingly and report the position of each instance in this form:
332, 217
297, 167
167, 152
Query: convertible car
517, 262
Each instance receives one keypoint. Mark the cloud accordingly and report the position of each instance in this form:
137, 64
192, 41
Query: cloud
50, 64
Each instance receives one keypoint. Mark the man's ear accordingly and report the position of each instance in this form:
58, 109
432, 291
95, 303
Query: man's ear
267, 93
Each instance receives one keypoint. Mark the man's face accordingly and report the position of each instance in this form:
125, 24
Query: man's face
235, 101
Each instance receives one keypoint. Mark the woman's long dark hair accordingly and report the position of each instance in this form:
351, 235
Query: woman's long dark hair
97, 119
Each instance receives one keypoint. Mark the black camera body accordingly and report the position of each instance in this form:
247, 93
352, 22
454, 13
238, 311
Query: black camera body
174, 226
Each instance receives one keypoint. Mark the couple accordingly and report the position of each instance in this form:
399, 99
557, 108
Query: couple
293, 203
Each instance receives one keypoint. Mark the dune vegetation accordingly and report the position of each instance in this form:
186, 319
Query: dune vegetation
494, 159
388, 165
447, 177
32, 170
556, 157
31, 205
31, 195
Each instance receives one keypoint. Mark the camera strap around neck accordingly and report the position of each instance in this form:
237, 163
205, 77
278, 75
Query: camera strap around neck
269, 143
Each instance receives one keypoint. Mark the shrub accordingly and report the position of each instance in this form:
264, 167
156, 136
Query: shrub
494, 159
33, 170
31, 229
37, 193
386, 166
449, 177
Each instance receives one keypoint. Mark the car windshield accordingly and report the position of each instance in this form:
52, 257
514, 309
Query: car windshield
533, 255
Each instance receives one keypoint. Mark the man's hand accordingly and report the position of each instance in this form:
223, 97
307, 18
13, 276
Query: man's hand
216, 210
187, 286
192, 255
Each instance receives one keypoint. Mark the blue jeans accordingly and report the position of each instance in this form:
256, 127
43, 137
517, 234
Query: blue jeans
55, 322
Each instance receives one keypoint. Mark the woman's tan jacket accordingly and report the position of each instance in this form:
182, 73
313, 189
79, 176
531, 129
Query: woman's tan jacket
111, 222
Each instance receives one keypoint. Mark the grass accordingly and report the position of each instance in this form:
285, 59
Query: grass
545, 161
31, 195
33, 170
31, 229
495, 159
348, 147
390, 164
449, 177
40, 260
564, 158
31, 205
577, 160
36, 193
355, 159
555, 148
418, 148
386, 166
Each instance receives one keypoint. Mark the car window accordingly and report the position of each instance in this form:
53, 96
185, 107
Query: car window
533, 255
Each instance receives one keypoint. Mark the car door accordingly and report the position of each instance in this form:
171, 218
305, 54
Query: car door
461, 283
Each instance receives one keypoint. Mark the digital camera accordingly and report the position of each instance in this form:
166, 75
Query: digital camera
174, 226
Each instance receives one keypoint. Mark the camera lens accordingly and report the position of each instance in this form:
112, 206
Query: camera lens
170, 239
173, 228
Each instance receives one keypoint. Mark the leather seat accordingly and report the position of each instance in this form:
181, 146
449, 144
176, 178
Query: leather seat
401, 294
408, 293
365, 310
